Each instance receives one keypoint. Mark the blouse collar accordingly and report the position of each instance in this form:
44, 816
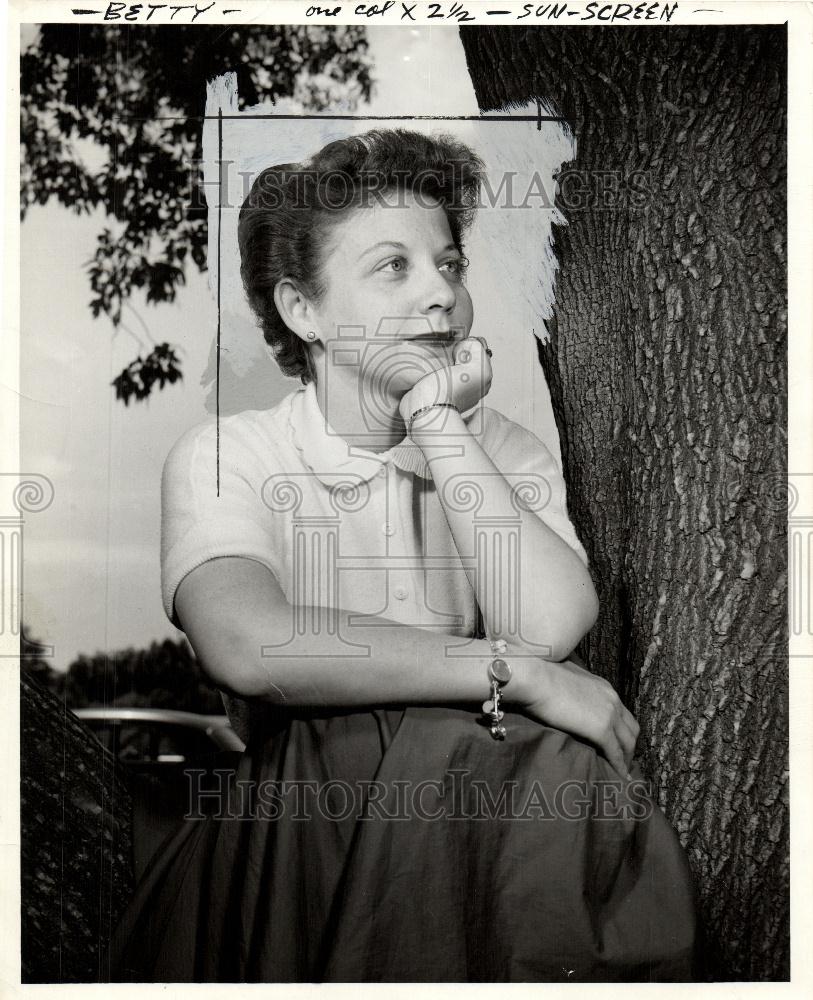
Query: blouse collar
327, 455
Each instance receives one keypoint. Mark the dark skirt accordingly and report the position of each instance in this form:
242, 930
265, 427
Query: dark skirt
409, 846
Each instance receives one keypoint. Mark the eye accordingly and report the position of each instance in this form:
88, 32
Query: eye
396, 265
457, 267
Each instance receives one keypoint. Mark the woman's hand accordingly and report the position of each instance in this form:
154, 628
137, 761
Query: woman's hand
463, 383
567, 697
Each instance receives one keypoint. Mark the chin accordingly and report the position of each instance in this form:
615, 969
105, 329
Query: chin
396, 388
394, 372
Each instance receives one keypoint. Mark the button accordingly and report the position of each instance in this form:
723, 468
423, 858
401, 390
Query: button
388, 529
400, 593
382, 471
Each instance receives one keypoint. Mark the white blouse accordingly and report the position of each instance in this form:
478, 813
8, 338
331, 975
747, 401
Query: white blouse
338, 526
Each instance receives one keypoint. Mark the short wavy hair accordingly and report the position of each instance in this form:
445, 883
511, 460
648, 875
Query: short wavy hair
284, 222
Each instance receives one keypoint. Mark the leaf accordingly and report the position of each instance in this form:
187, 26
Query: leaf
138, 378
109, 87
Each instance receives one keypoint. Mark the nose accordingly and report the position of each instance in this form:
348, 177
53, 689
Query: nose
436, 292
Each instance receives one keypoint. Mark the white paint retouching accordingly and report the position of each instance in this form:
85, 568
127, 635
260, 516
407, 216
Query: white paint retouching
512, 275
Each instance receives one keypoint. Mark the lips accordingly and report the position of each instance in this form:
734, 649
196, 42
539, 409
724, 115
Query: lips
445, 338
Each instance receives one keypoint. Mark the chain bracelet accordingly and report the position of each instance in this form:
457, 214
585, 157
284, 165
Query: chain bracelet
431, 406
499, 674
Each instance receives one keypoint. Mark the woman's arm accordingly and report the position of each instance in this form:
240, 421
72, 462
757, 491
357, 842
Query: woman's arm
553, 593
232, 607
551, 602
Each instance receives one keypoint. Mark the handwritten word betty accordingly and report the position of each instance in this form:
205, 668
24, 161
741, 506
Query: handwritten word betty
414, 11
136, 11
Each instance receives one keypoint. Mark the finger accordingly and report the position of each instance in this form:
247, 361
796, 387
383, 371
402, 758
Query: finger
463, 351
631, 721
633, 730
481, 358
614, 751
481, 349
615, 755
466, 350
485, 352
626, 741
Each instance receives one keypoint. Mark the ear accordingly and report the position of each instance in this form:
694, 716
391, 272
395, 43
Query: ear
295, 309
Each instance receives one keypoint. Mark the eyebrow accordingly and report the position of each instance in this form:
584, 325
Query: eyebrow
382, 243
398, 246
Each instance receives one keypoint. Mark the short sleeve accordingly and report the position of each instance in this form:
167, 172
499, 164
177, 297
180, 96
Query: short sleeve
517, 453
197, 524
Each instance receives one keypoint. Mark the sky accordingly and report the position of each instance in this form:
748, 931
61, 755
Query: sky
91, 576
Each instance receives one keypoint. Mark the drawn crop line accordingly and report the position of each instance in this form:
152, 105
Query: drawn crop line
220, 118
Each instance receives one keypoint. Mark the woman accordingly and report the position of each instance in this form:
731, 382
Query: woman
381, 576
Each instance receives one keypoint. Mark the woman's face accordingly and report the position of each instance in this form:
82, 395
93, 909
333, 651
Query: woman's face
395, 301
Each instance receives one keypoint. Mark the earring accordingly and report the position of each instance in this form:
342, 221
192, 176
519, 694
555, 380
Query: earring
311, 335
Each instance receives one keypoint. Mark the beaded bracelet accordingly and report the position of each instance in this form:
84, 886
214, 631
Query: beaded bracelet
431, 406
499, 674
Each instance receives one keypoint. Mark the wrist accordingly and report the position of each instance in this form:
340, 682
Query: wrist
528, 678
433, 420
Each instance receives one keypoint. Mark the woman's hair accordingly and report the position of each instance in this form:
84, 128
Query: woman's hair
284, 222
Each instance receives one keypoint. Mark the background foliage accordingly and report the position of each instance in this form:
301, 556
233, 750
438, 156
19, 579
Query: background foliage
164, 675
111, 120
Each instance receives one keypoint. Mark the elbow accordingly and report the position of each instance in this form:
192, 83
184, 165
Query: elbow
250, 684
591, 610
580, 623
556, 622
586, 626
232, 669
254, 679
231, 677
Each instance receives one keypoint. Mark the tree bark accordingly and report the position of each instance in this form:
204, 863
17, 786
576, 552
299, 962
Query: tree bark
667, 366
77, 856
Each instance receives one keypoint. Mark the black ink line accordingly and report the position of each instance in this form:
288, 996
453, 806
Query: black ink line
359, 118
75, 10
219, 270
538, 118
491, 12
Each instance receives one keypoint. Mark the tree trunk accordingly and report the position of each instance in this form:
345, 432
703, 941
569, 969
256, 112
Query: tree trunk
667, 366
76, 858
